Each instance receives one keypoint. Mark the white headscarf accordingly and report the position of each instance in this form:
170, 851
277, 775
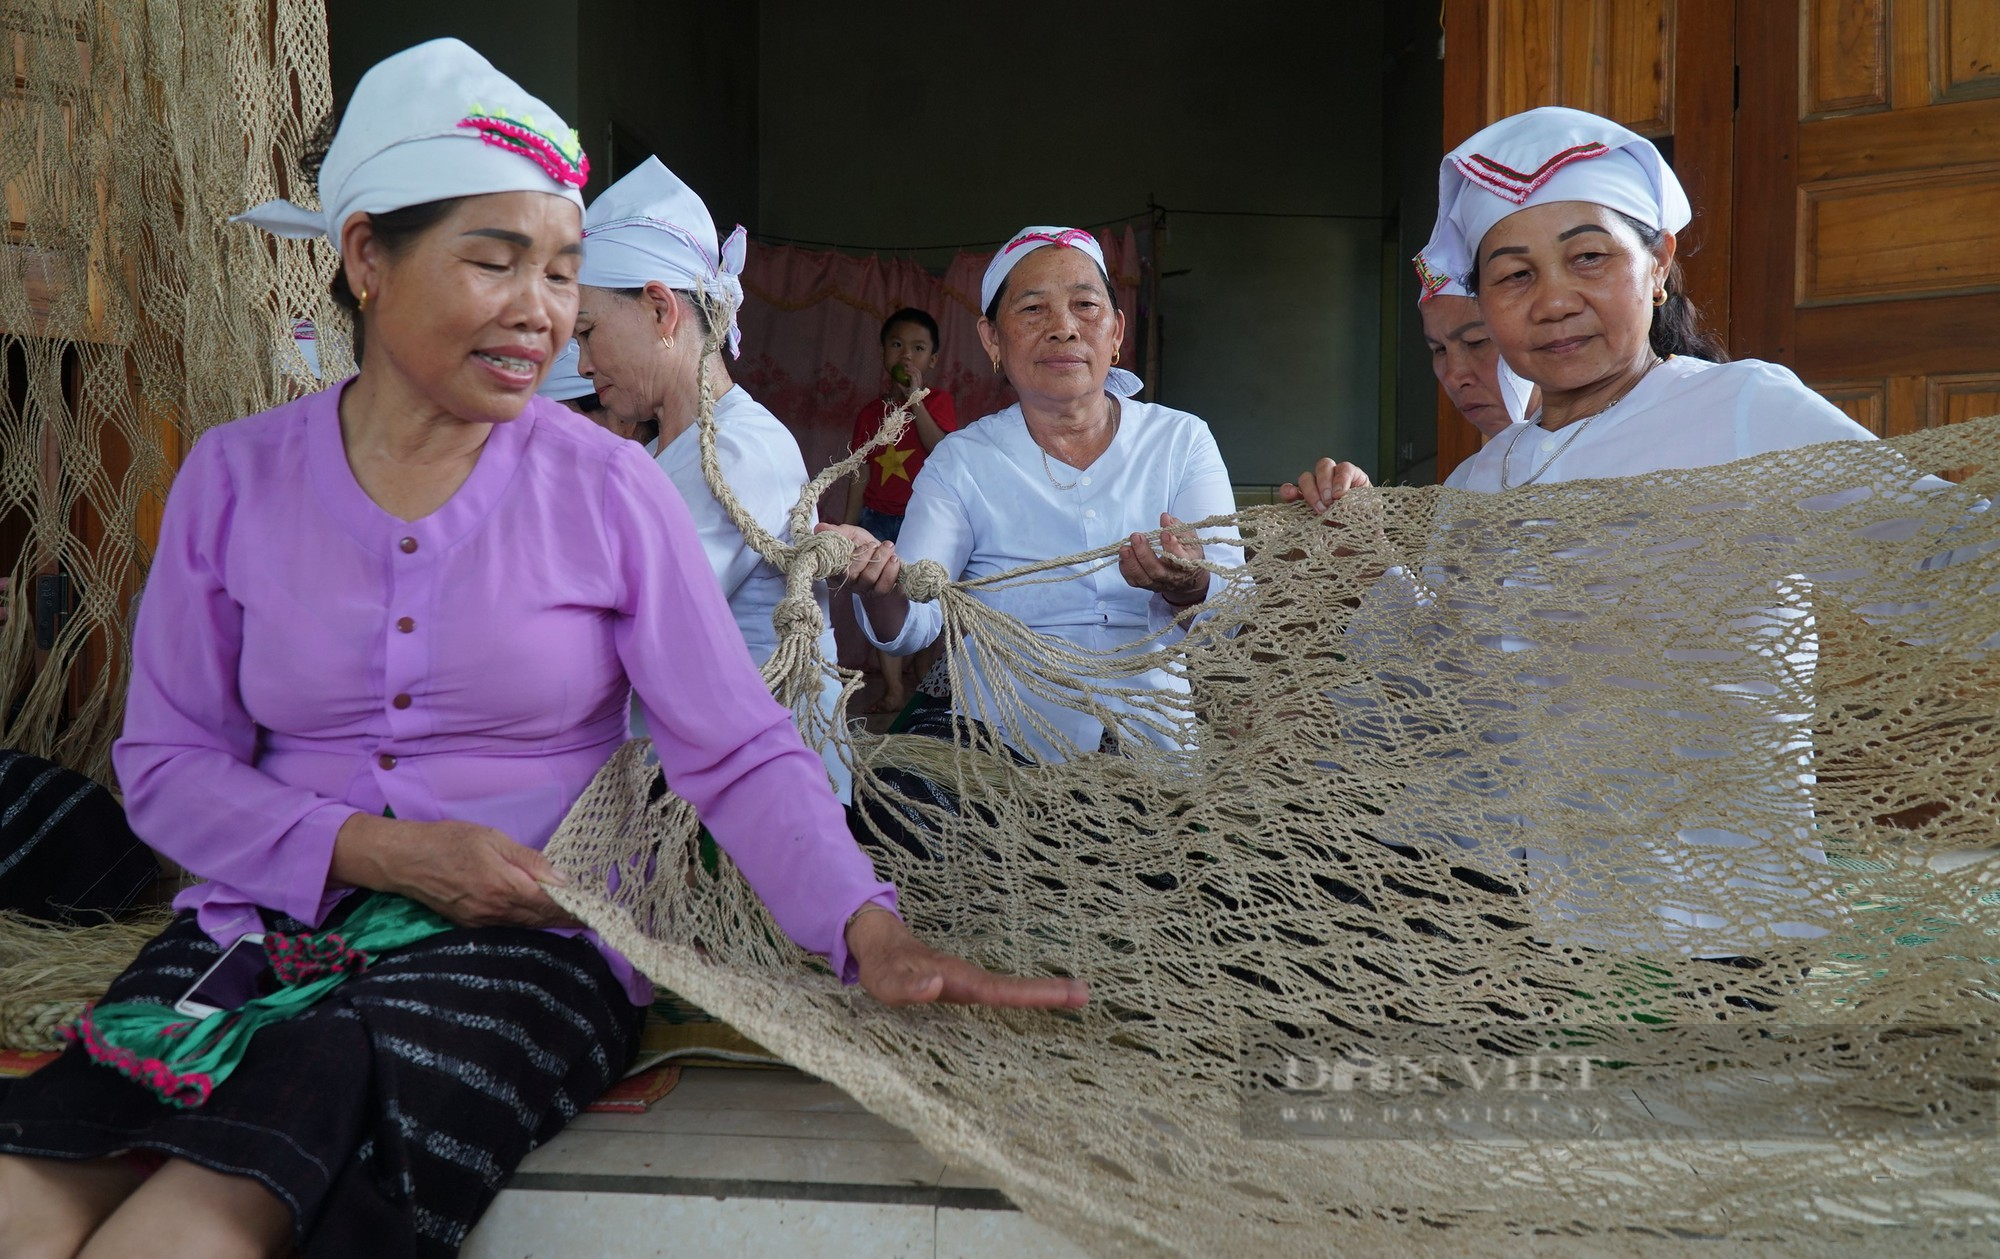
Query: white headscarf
432, 122
1534, 158
305, 339
1026, 241
1543, 155
651, 226
563, 381
1433, 282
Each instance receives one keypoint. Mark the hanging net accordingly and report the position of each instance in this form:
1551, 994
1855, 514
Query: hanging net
132, 316
1587, 869
1592, 867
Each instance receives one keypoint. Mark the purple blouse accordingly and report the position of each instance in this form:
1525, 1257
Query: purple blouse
302, 655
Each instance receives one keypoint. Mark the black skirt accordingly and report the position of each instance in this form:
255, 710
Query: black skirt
387, 1116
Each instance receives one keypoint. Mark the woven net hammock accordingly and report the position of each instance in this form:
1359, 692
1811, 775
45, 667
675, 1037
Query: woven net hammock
1590, 867
1586, 869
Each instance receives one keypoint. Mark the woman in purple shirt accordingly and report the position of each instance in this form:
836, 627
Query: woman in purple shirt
387, 640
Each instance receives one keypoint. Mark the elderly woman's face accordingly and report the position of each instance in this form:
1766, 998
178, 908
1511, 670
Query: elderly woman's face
619, 339
1465, 360
1567, 292
475, 309
1057, 331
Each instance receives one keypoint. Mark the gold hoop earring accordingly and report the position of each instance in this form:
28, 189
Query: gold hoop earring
1659, 297
1114, 358
361, 303
996, 367
666, 342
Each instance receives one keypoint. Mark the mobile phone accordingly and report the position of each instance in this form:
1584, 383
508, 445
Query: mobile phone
240, 974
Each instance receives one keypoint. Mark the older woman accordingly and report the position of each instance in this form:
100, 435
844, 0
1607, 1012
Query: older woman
1574, 273
1464, 358
655, 281
1573, 268
386, 642
566, 385
1077, 464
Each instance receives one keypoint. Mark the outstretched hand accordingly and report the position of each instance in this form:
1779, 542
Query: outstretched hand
1324, 485
898, 969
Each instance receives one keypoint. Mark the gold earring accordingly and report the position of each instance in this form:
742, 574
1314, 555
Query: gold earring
996, 367
1114, 358
1659, 297
362, 302
666, 342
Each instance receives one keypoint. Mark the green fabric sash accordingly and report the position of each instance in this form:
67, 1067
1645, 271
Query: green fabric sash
182, 1060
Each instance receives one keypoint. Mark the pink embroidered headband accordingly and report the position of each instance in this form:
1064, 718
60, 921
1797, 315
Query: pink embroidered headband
1069, 237
566, 163
1027, 241
403, 142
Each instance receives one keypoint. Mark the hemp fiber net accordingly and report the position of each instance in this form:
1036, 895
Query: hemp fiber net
1584, 869
132, 316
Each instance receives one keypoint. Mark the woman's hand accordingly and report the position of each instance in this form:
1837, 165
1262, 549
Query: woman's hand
1324, 485
1146, 569
874, 568
899, 969
473, 875
872, 574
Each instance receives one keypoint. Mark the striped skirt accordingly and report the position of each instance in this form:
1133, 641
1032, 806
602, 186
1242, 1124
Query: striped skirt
386, 1117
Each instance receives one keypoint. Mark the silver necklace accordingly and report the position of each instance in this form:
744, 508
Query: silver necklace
1048, 469
1576, 431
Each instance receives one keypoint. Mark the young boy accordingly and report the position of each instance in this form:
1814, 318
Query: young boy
878, 500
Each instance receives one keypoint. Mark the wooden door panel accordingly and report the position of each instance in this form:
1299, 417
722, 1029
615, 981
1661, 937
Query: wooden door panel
1866, 402
1965, 43
1882, 237
1520, 57
1639, 58
1958, 398
1846, 53
1930, 139
1919, 336
1895, 405
1612, 57
1871, 187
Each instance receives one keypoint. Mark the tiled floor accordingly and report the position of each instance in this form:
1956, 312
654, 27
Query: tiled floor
751, 1164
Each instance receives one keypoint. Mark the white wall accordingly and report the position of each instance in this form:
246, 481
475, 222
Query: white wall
962, 122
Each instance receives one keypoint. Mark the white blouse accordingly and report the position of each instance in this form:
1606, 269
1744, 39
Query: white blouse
761, 461
1686, 413
989, 500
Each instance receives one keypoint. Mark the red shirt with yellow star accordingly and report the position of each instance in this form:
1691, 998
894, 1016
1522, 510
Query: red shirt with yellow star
892, 468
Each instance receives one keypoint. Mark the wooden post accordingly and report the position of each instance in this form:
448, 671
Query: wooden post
1464, 113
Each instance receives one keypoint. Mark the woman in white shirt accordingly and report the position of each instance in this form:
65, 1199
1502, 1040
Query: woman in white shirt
1077, 464
1562, 225
653, 278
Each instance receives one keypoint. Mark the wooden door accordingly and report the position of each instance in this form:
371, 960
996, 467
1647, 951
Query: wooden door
1868, 204
1664, 68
